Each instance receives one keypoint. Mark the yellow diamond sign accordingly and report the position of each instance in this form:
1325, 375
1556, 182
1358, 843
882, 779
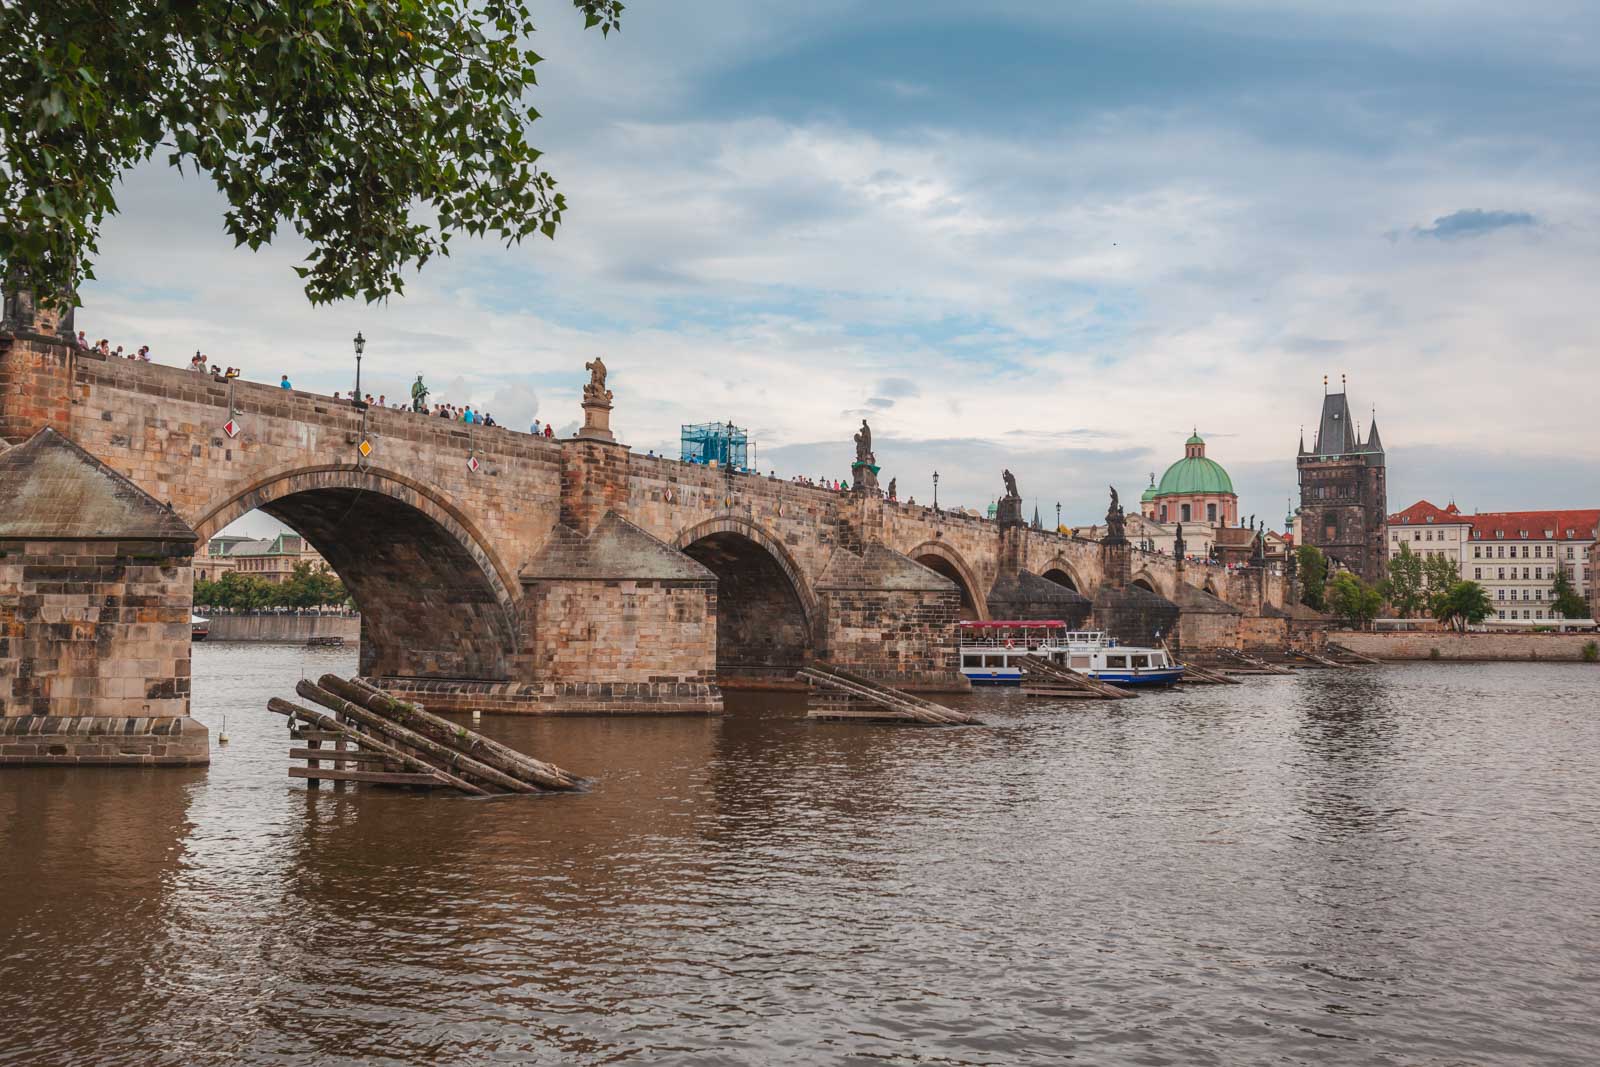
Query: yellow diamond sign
365, 448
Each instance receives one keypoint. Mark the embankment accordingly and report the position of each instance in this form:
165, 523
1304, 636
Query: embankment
267, 626
1490, 647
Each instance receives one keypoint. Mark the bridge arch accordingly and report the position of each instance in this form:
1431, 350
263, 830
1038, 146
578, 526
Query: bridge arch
942, 559
766, 611
1061, 572
1145, 580
435, 600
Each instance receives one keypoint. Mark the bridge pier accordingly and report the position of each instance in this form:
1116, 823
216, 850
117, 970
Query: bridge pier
95, 587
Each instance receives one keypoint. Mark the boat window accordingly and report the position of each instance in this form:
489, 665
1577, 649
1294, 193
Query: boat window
1080, 661
1141, 661
994, 661
1116, 661
971, 661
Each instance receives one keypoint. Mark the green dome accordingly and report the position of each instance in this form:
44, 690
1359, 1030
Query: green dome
1195, 439
1150, 493
1195, 474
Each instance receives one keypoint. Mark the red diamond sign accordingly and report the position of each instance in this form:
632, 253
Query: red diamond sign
231, 428
473, 464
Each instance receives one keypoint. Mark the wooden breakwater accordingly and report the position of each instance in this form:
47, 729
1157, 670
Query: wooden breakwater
379, 740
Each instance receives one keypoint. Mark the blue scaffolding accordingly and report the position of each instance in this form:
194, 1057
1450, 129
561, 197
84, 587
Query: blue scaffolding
721, 443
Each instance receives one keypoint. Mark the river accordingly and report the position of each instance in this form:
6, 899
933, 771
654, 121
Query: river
1388, 865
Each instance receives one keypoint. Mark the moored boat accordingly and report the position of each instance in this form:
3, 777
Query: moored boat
992, 653
199, 628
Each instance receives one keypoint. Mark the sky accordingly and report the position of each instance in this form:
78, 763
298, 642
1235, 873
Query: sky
1048, 237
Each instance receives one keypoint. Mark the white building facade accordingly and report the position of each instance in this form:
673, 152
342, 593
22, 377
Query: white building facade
1514, 555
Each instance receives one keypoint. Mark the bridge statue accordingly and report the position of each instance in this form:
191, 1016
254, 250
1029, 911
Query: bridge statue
864, 445
1116, 524
596, 389
596, 403
1011, 485
419, 395
1008, 511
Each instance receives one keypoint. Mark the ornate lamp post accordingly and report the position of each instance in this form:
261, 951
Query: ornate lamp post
361, 346
1058, 516
935, 490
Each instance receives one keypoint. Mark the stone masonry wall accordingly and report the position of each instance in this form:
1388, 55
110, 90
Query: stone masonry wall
660, 633
1505, 647
95, 628
35, 386
903, 638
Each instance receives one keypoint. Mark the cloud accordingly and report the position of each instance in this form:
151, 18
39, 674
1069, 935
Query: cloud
1063, 284
1472, 222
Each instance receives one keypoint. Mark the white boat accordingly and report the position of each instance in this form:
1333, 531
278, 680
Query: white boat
199, 628
992, 653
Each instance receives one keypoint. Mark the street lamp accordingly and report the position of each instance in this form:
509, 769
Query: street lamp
935, 490
361, 346
1058, 516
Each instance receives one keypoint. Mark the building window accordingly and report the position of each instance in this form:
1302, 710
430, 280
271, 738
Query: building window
1499, 594
1186, 511
1211, 514
1500, 614
1163, 513
1538, 594
1477, 572
1524, 551
1477, 551
1502, 573
1524, 594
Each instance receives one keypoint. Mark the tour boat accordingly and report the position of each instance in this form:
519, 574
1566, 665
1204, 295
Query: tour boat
198, 627
992, 654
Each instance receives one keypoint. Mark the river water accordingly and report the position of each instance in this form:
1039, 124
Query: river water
1391, 865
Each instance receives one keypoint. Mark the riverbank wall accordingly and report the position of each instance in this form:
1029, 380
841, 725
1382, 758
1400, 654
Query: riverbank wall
268, 626
1470, 647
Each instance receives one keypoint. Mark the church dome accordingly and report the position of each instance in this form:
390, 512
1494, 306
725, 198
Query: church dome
1194, 473
1150, 493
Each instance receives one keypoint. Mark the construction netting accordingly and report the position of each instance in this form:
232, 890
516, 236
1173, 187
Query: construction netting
719, 443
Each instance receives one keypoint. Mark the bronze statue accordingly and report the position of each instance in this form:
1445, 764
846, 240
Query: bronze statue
596, 389
1011, 485
864, 446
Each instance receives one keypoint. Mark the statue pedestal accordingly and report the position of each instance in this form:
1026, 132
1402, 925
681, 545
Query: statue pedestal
863, 477
1008, 511
597, 420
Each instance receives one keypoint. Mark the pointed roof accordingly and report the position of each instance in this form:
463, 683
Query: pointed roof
615, 549
1336, 433
1373, 442
52, 490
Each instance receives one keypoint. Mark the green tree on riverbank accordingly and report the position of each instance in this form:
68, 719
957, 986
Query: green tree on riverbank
1569, 605
1353, 600
1404, 584
1313, 568
1465, 604
307, 587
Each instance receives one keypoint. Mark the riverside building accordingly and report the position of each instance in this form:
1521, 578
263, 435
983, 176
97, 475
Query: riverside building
1514, 555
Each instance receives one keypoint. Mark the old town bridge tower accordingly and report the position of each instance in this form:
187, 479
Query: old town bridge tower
1343, 496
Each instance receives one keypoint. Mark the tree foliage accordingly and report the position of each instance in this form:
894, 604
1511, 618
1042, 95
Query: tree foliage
1568, 604
1440, 574
1353, 600
377, 128
1466, 603
1313, 568
1405, 584
306, 587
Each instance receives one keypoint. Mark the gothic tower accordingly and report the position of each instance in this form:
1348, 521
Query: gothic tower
1343, 496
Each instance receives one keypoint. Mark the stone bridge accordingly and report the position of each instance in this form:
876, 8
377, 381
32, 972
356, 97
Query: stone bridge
499, 570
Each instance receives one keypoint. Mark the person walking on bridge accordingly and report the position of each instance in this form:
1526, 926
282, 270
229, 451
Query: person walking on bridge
419, 396
284, 384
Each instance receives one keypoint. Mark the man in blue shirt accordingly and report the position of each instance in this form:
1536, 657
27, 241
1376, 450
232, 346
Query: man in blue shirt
285, 383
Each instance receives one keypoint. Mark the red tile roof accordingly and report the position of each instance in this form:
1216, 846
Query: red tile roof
1568, 525
1421, 512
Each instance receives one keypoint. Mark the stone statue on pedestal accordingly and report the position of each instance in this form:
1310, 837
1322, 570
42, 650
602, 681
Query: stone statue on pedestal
865, 469
596, 403
1116, 523
864, 445
1011, 485
1008, 510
